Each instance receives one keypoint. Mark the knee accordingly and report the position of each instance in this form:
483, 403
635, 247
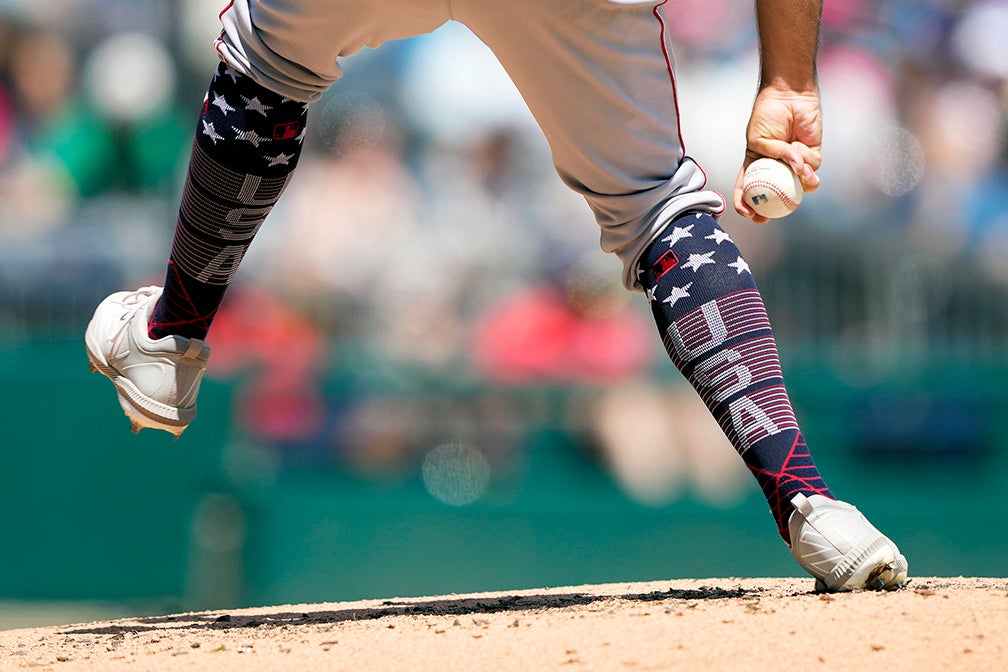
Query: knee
262, 51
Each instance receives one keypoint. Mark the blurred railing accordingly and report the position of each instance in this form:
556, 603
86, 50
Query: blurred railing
824, 292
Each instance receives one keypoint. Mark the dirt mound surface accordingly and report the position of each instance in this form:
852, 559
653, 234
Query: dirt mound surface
711, 624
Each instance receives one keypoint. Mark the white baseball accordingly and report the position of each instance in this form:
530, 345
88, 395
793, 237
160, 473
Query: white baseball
771, 188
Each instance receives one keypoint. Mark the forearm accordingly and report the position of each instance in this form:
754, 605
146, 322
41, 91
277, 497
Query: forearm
789, 42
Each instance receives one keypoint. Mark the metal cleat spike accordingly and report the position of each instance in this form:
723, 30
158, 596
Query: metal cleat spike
91, 367
135, 428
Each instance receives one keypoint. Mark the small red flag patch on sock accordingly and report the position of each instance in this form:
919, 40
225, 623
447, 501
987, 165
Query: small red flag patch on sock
665, 263
286, 131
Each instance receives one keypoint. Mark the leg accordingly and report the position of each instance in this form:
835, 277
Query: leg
715, 329
247, 143
249, 136
623, 150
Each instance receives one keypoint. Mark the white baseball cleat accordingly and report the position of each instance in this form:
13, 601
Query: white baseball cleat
157, 380
837, 545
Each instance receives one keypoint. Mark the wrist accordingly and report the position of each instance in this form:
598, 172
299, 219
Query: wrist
800, 80
790, 85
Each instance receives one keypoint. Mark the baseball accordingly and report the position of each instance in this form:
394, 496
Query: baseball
771, 189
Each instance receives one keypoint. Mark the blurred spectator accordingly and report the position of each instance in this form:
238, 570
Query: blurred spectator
660, 442
280, 356
130, 83
37, 180
576, 330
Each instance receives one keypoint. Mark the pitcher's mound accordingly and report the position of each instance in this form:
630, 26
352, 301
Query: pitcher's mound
709, 624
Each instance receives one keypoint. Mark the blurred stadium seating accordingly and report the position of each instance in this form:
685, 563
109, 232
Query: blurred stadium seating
382, 457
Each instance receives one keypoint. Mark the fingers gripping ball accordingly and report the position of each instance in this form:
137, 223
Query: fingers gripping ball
771, 188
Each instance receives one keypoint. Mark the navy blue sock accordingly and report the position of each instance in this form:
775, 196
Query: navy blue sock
248, 141
715, 329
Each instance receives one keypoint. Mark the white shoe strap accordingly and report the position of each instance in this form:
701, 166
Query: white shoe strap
803, 506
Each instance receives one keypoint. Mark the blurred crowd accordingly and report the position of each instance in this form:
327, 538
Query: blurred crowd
496, 276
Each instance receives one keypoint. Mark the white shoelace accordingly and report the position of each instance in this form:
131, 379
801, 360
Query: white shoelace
134, 301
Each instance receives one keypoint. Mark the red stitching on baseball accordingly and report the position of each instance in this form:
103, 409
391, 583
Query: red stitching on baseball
785, 199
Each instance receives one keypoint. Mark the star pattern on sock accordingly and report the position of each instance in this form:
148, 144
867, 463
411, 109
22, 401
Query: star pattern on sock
269, 140
697, 260
740, 266
280, 159
221, 104
253, 104
715, 253
678, 233
249, 135
677, 293
719, 236
702, 251
211, 132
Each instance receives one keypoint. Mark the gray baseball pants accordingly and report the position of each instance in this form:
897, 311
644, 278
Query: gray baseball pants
598, 76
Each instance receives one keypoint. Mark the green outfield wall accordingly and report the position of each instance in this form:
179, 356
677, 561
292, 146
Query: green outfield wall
221, 519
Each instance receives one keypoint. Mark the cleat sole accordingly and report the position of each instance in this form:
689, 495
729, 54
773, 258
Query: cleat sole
139, 417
